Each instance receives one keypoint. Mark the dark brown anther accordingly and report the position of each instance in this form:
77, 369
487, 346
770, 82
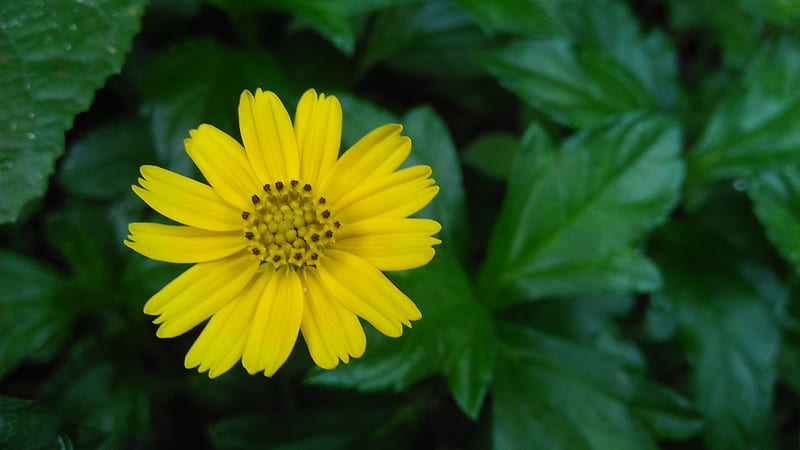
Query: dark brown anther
255, 199
267, 188
307, 187
315, 237
294, 183
329, 234
279, 185
256, 251
249, 235
326, 214
322, 200
337, 224
276, 258
298, 256
245, 215
314, 256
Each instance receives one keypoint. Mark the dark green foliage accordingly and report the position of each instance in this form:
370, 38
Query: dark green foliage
620, 202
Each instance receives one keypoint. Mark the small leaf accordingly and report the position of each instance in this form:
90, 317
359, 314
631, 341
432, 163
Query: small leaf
99, 165
180, 97
492, 154
454, 337
433, 146
528, 17
52, 59
774, 196
33, 316
550, 393
570, 217
26, 426
729, 332
750, 130
572, 86
431, 38
84, 236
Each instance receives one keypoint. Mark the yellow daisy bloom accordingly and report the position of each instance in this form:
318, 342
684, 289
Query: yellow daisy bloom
286, 236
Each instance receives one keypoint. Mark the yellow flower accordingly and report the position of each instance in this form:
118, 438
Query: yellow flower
286, 236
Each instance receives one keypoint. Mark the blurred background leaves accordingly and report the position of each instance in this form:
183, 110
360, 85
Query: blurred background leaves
620, 201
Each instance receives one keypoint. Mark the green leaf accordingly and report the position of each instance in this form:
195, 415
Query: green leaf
199, 82
33, 316
610, 26
26, 426
432, 38
782, 12
729, 331
752, 129
528, 17
52, 59
433, 146
571, 217
88, 243
724, 24
774, 195
344, 427
550, 393
492, 154
454, 337
573, 86
327, 17
99, 165
101, 387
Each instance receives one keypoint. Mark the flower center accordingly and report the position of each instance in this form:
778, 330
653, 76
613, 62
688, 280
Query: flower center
288, 224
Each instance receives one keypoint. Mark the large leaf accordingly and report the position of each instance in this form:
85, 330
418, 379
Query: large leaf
550, 393
200, 82
454, 337
725, 313
52, 59
33, 318
570, 85
600, 64
571, 217
752, 128
775, 198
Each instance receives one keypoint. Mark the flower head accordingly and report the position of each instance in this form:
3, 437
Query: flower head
286, 236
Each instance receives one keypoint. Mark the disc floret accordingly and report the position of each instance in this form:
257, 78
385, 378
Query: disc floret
289, 224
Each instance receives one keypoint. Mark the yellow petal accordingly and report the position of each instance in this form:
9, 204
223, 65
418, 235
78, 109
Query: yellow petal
361, 288
268, 137
391, 251
181, 244
186, 201
395, 196
199, 292
331, 332
318, 127
376, 154
373, 186
221, 343
391, 244
276, 323
224, 163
